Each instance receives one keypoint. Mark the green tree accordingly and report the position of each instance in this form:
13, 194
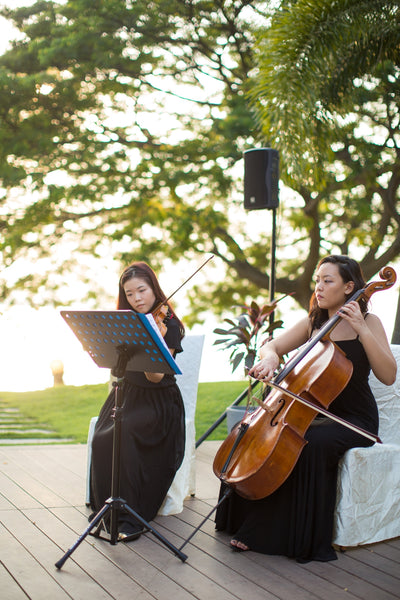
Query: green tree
122, 131
121, 125
327, 94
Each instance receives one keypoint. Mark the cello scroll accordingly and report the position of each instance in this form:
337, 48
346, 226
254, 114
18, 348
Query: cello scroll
388, 277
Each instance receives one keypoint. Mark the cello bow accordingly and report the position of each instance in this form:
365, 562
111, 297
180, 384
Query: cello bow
323, 411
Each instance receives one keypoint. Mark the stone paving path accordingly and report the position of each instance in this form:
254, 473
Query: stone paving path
15, 428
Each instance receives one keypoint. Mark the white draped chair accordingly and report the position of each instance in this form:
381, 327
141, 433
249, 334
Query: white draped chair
184, 482
368, 491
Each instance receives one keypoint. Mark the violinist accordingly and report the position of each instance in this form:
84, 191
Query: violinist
153, 419
296, 520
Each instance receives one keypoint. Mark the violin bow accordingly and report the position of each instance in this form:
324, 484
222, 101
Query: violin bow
184, 283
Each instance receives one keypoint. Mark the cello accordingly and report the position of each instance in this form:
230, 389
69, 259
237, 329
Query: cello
261, 452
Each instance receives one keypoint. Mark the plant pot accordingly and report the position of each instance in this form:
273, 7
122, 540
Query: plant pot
234, 414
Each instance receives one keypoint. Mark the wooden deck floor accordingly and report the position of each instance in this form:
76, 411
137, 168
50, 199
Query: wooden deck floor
42, 514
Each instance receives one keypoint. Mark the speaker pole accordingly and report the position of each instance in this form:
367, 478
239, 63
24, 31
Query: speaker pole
272, 272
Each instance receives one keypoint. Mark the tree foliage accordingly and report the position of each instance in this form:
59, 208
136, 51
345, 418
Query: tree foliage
312, 61
123, 125
327, 93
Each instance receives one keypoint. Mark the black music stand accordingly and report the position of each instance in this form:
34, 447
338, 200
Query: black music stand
120, 340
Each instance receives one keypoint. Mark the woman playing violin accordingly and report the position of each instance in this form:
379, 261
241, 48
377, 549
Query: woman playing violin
153, 420
297, 519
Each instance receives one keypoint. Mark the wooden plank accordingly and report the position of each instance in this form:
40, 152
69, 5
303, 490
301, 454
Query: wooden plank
35, 478
395, 542
71, 458
207, 487
340, 573
389, 586
160, 558
87, 573
346, 582
9, 586
143, 571
386, 565
27, 478
5, 504
38, 464
387, 550
15, 494
207, 451
33, 579
238, 571
343, 582
208, 557
207, 484
286, 580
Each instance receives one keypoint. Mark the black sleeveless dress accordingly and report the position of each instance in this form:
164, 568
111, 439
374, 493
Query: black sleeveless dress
152, 440
297, 519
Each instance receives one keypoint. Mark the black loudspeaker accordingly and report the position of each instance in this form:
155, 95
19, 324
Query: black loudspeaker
261, 178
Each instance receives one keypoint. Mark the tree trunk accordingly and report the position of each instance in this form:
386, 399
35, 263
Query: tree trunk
396, 328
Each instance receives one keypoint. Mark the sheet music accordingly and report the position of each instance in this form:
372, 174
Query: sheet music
154, 325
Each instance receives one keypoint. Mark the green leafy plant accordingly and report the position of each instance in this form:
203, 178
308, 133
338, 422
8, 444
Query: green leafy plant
253, 325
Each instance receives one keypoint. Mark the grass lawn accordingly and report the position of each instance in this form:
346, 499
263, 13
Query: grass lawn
67, 410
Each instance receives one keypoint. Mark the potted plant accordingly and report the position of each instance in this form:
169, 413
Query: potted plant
243, 337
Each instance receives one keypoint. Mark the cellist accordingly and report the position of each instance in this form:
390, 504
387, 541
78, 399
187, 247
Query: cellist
297, 519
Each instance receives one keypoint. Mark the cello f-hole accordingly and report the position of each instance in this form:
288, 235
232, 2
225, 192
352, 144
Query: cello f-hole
282, 403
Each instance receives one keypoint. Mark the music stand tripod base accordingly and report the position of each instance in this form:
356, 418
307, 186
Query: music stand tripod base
131, 326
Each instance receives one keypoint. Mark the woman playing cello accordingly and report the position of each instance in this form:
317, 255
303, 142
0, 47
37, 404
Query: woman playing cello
297, 519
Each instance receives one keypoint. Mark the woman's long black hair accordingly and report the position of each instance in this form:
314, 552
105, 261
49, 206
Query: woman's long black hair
349, 270
143, 271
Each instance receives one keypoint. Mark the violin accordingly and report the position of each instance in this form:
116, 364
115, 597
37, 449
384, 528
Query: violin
261, 452
159, 316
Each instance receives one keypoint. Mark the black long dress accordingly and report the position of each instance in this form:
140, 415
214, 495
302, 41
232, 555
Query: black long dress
297, 519
152, 441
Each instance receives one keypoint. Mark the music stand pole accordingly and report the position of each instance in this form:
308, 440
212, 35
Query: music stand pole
114, 505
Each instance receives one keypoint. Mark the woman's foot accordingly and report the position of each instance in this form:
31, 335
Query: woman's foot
127, 532
129, 537
238, 546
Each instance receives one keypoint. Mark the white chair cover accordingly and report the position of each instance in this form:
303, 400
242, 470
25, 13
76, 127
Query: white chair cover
184, 483
368, 492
